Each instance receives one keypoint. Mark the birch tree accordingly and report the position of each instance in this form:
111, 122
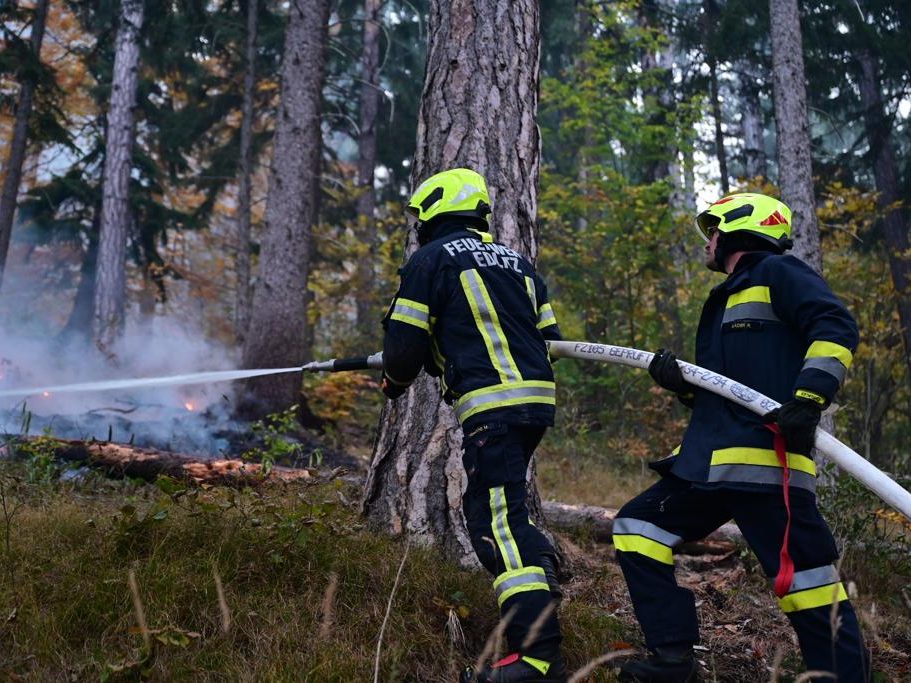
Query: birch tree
19, 143
478, 110
795, 167
278, 323
110, 273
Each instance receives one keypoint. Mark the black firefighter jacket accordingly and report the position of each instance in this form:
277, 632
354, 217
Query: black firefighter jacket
475, 314
774, 326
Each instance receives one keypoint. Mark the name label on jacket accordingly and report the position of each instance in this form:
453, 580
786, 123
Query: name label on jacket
490, 254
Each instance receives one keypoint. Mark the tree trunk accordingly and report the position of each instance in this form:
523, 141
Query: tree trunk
661, 64
710, 19
79, 325
367, 324
885, 172
19, 142
720, 151
110, 275
795, 167
278, 323
478, 110
751, 124
245, 184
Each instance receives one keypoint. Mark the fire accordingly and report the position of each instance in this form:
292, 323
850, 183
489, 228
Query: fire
189, 406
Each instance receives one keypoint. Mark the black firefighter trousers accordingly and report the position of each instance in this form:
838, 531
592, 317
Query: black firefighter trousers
673, 511
496, 458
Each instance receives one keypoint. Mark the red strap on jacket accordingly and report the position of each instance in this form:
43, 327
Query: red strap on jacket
785, 564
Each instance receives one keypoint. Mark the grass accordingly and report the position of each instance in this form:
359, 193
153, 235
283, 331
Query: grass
305, 589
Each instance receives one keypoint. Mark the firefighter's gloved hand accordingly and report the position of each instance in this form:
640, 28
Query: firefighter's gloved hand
393, 390
797, 419
666, 373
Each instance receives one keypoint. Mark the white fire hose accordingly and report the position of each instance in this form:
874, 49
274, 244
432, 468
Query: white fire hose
865, 472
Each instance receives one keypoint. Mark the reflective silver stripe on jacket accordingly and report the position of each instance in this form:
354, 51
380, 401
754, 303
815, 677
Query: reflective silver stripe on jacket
827, 364
494, 333
510, 394
752, 310
637, 527
759, 474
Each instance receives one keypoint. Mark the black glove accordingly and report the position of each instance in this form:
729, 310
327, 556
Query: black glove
393, 390
797, 419
666, 373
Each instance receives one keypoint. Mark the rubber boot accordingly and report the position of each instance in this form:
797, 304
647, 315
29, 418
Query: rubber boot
515, 668
669, 664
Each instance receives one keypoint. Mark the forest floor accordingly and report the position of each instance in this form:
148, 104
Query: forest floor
121, 580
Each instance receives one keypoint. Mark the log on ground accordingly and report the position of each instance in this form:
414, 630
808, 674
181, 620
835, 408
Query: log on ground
122, 460
599, 522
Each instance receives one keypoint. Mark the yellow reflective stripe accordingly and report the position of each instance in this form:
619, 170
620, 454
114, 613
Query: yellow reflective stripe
488, 323
530, 288
417, 305
546, 316
757, 294
402, 318
486, 237
539, 664
501, 395
630, 543
763, 457
814, 597
519, 581
509, 551
822, 349
411, 312
676, 450
816, 398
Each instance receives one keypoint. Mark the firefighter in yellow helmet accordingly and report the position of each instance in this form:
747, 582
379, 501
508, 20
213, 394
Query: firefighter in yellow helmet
775, 326
474, 313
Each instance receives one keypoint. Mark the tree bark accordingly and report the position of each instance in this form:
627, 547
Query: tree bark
110, 273
795, 165
885, 173
19, 142
278, 323
478, 110
367, 324
751, 124
245, 182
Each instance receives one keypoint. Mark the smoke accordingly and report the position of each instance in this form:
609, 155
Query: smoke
190, 419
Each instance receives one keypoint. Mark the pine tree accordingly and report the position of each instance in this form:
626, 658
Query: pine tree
478, 110
278, 324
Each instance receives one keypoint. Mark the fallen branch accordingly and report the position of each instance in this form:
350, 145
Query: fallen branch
600, 523
121, 460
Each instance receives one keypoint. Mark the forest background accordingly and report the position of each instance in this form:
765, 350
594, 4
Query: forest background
164, 210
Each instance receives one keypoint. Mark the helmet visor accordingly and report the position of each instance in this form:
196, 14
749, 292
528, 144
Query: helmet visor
705, 222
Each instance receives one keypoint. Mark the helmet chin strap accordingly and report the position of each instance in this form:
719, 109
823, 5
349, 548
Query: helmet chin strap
730, 244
